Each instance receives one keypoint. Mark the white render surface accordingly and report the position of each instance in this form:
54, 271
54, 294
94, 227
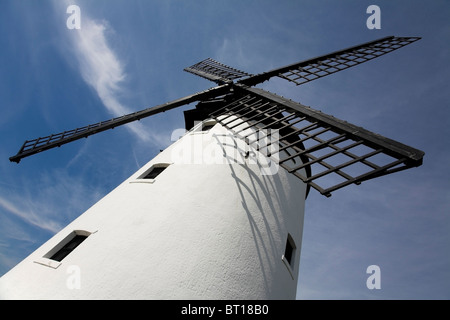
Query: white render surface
205, 228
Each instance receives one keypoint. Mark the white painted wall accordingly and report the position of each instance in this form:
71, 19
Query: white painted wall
204, 229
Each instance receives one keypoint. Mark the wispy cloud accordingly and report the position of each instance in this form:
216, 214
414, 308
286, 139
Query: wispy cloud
30, 212
101, 68
49, 200
29, 216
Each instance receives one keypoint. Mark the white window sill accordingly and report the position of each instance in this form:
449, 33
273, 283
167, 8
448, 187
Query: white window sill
143, 181
53, 263
48, 262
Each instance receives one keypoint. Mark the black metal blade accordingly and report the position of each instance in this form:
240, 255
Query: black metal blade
34, 146
312, 69
215, 71
324, 152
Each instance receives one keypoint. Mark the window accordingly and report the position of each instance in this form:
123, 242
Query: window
289, 251
207, 126
289, 255
54, 257
154, 172
150, 175
68, 247
203, 127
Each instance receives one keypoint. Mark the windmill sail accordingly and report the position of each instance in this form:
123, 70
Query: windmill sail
324, 152
334, 152
312, 69
40, 144
215, 71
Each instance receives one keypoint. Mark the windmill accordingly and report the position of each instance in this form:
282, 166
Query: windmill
215, 230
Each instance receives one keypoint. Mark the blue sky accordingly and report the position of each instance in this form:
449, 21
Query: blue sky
129, 55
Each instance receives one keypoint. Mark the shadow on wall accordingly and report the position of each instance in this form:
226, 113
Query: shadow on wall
280, 206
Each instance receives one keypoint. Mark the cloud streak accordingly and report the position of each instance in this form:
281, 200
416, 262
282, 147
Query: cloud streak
30, 217
101, 68
48, 201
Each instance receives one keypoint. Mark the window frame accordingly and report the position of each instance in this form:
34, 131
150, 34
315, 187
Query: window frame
198, 129
289, 259
141, 178
46, 260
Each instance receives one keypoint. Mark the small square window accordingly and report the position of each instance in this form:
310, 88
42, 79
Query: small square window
68, 247
150, 175
154, 172
54, 257
203, 127
289, 255
289, 251
207, 126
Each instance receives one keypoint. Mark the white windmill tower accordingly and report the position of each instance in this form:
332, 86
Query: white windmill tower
219, 213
